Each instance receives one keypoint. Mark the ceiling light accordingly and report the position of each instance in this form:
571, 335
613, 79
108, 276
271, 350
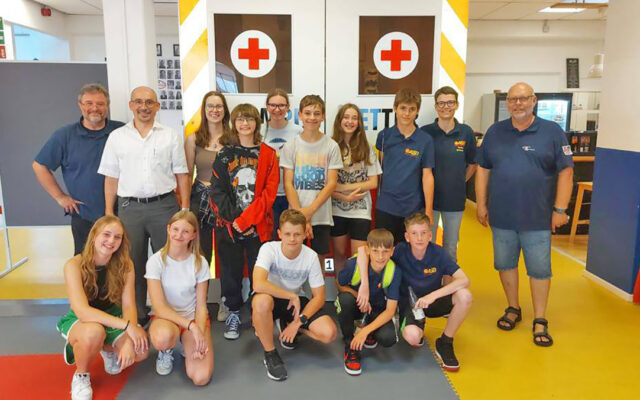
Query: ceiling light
561, 10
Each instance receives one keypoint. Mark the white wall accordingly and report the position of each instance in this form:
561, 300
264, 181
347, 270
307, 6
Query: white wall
500, 53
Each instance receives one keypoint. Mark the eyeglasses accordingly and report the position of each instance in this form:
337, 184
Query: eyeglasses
90, 104
216, 107
521, 99
148, 102
450, 103
278, 106
248, 120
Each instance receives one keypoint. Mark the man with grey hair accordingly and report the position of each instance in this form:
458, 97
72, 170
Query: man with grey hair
77, 149
520, 161
143, 163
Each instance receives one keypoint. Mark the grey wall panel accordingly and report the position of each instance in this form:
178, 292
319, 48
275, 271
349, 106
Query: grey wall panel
36, 99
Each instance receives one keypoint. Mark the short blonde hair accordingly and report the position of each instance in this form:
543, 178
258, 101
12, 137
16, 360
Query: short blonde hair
312, 100
417, 218
294, 217
407, 96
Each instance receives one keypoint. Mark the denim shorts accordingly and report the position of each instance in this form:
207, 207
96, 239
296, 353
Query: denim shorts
536, 248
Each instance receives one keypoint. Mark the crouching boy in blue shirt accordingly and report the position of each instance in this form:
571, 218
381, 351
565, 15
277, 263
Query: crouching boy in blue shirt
384, 281
436, 283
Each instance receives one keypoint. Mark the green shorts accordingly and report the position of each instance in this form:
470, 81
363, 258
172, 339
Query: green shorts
69, 320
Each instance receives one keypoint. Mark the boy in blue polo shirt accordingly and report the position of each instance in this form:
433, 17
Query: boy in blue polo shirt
424, 265
406, 156
384, 287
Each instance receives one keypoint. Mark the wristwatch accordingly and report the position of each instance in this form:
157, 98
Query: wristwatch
303, 319
559, 210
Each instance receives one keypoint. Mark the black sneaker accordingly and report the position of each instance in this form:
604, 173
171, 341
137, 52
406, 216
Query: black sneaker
282, 325
275, 366
444, 351
371, 342
352, 361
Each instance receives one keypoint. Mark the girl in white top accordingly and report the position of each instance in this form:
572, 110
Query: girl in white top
276, 132
351, 199
178, 278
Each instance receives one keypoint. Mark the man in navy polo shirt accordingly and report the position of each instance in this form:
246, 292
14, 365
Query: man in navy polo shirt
455, 154
77, 148
518, 162
406, 155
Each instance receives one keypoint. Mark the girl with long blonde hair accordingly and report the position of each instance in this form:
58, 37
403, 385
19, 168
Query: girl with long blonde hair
103, 316
178, 280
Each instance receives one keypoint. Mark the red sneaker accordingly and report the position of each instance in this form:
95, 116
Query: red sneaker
352, 362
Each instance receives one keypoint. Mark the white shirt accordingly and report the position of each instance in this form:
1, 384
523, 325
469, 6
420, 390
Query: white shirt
179, 280
145, 167
290, 274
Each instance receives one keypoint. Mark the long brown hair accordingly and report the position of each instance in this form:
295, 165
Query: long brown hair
193, 246
203, 136
117, 267
242, 110
358, 144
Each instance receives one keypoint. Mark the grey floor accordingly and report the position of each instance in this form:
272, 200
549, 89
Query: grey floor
315, 370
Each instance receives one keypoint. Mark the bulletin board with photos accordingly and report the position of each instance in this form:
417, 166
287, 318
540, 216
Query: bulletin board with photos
169, 77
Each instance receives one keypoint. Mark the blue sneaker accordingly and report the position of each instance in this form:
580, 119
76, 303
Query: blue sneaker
232, 329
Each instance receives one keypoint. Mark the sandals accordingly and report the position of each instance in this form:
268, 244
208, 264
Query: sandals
510, 324
544, 334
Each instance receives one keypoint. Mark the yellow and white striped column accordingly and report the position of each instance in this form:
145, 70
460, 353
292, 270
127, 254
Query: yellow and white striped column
194, 60
453, 47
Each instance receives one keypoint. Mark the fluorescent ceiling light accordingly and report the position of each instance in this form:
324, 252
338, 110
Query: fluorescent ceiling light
561, 10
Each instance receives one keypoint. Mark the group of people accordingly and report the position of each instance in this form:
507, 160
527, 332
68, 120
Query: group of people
262, 190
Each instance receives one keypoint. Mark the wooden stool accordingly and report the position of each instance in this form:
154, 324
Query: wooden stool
582, 186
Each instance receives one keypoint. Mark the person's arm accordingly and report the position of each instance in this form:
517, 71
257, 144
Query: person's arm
48, 182
563, 195
290, 190
184, 189
261, 284
362, 263
110, 194
471, 169
359, 338
482, 181
370, 184
459, 281
190, 153
427, 189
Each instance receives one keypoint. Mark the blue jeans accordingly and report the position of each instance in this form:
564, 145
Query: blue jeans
451, 221
279, 205
536, 248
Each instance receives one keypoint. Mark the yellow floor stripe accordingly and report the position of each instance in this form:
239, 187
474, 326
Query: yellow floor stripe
195, 59
452, 63
461, 8
185, 8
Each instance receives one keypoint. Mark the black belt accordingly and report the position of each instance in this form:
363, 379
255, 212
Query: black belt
147, 200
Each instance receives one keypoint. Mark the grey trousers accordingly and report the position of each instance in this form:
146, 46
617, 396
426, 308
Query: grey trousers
143, 222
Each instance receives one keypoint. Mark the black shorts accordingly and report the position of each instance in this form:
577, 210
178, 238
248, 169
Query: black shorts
281, 312
357, 228
320, 241
438, 308
392, 223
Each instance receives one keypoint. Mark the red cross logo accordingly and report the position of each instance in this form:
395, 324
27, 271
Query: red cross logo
253, 53
396, 55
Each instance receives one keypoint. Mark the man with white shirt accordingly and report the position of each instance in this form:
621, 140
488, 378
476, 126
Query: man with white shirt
281, 269
142, 163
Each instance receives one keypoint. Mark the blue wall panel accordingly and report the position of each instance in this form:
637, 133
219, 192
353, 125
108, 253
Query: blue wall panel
614, 234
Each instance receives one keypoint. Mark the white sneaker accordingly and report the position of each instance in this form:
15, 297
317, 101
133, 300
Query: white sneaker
223, 312
164, 362
111, 365
81, 387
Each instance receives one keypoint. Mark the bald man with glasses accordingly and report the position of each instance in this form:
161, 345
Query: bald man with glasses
520, 160
143, 163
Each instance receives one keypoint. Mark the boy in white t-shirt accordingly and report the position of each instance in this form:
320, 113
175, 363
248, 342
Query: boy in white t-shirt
281, 269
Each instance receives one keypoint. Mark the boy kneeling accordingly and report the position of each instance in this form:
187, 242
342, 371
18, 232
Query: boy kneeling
282, 268
424, 292
384, 289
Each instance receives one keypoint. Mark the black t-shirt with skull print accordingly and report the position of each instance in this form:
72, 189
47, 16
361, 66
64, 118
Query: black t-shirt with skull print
241, 165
